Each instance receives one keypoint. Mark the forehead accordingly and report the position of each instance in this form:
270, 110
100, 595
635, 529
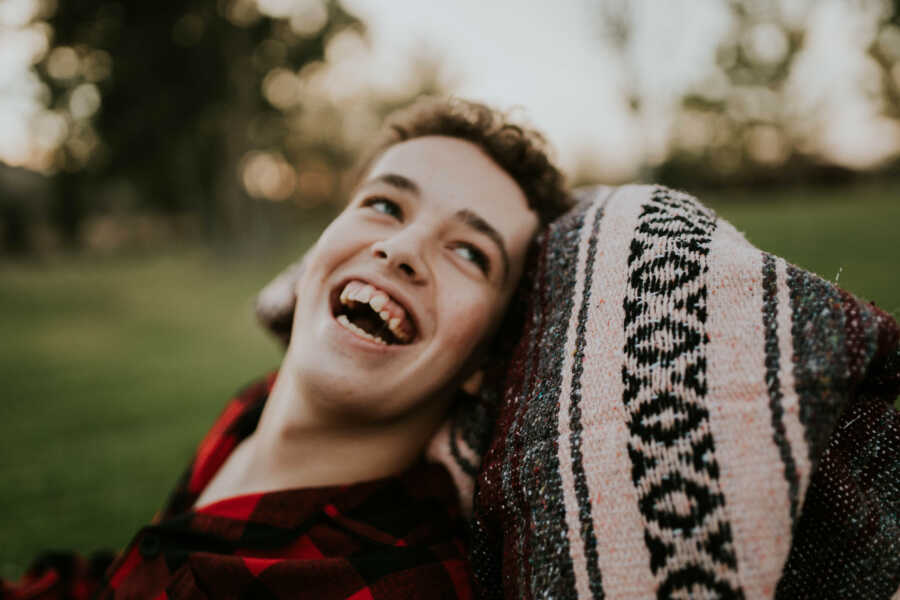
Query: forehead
452, 175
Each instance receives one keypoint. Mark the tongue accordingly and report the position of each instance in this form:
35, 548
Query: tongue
364, 317
367, 321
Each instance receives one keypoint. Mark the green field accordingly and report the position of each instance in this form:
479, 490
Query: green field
113, 367
846, 234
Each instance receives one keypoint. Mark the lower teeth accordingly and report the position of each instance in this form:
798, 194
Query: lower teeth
343, 320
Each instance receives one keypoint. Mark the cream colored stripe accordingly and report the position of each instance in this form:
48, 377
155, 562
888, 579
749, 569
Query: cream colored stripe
896, 595
617, 523
751, 473
576, 542
790, 400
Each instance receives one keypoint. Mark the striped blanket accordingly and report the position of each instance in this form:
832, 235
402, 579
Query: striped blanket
686, 416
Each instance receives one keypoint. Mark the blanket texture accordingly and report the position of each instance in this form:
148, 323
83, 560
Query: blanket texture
685, 416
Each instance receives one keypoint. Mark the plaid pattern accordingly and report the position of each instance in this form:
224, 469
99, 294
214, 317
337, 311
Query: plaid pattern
59, 576
398, 537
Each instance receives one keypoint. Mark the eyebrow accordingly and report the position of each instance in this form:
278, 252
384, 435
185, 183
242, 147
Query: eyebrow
466, 217
398, 181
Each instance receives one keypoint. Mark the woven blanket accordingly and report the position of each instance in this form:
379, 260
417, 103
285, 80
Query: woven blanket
686, 416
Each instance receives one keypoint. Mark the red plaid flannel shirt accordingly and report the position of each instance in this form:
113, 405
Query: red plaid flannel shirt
399, 537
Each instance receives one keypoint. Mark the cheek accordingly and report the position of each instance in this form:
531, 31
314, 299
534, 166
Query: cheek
332, 244
340, 241
467, 320
319, 262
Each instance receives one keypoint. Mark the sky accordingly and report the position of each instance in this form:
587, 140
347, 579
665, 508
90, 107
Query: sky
552, 58
552, 61
549, 58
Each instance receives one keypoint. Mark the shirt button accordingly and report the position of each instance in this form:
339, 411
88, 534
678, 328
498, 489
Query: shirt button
150, 545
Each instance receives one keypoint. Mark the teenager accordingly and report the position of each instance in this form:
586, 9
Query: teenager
312, 483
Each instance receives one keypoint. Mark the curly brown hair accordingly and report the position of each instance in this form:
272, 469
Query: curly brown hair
519, 151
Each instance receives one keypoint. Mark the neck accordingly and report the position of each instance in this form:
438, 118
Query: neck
301, 443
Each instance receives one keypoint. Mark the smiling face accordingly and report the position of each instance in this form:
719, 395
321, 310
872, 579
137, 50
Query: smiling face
409, 282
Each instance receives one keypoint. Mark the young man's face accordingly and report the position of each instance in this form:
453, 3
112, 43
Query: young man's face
410, 280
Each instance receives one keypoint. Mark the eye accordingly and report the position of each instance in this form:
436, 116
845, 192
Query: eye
474, 255
385, 206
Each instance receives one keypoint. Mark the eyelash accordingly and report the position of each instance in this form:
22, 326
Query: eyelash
394, 209
478, 257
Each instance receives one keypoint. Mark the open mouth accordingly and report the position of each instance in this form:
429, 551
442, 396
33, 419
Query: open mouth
372, 314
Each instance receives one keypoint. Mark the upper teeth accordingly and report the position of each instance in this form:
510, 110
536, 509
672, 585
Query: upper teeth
391, 312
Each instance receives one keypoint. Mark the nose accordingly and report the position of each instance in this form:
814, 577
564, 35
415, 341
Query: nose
404, 254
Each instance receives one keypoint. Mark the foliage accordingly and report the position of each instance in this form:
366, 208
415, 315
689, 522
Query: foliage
795, 90
206, 108
755, 118
182, 99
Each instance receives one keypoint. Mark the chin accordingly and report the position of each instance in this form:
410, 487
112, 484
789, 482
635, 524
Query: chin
333, 390
354, 380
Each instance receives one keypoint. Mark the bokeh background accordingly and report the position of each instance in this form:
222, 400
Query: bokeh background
159, 162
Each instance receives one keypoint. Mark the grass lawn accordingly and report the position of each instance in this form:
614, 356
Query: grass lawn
847, 234
113, 367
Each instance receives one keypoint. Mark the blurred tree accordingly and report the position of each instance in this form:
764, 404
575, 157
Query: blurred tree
164, 100
214, 108
766, 114
797, 89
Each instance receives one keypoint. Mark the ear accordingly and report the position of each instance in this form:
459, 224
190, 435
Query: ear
472, 385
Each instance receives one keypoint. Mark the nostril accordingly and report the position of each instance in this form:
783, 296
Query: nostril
395, 259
